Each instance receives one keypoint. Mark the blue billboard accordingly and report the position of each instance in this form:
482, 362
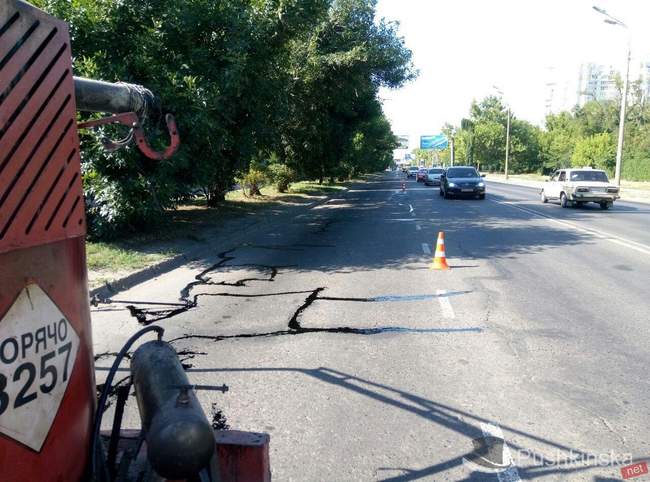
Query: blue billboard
438, 141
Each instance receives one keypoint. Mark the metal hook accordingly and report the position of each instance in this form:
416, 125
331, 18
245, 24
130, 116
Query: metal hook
130, 119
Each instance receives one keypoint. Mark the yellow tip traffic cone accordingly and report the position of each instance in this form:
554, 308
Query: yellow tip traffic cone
440, 258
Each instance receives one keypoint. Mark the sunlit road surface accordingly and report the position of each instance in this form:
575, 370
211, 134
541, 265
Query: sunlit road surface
362, 364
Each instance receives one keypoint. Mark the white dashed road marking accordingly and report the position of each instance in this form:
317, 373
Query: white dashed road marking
410, 208
426, 249
445, 304
511, 474
641, 248
418, 227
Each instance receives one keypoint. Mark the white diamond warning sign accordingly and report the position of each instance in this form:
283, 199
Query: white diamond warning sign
38, 347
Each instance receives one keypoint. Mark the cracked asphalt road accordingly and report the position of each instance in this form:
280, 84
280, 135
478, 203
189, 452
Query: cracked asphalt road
362, 364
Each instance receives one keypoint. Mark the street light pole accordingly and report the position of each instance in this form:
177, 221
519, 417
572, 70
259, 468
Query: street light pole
621, 122
507, 141
452, 155
500, 92
451, 147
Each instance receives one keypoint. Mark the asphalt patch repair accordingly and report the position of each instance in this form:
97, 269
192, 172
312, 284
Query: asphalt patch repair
146, 316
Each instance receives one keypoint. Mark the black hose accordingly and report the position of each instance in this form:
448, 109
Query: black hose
101, 405
98, 96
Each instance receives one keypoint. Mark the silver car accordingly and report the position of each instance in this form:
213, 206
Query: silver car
432, 177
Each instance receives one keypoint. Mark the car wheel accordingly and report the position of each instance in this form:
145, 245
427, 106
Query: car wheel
564, 202
447, 195
482, 196
605, 205
580, 204
543, 197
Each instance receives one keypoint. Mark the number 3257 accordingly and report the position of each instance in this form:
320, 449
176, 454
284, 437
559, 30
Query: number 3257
26, 372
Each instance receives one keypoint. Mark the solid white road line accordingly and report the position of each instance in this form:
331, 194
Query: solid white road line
426, 249
511, 474
642, 248
445, 304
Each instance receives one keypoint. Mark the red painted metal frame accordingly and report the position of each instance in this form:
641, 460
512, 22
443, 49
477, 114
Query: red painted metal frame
42, 224
60, 270
41, 198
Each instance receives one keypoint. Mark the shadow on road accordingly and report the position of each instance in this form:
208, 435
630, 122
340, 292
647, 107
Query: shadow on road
451, 418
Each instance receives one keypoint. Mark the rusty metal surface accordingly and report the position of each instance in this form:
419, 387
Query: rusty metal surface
41, 198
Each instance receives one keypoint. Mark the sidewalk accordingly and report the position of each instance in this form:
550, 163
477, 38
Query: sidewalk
103, 283
627, 193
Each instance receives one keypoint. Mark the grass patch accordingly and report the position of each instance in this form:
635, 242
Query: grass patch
189, 223
522, 177
640, 185
113, 257
312, 188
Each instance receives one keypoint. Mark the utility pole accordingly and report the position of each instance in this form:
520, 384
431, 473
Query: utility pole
500, 92
621, 122
507, 141
451, 148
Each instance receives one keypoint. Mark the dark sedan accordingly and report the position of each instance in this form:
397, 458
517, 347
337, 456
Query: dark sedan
462, 181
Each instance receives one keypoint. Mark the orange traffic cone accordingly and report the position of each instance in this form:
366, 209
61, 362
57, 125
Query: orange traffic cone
440, 258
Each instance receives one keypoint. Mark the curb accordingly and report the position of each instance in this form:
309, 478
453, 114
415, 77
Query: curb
531, 184
625, 192
150, 272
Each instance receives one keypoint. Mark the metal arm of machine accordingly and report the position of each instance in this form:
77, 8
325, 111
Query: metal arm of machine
130, 105
114, 98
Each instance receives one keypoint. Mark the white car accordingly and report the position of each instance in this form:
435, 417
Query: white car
579, 186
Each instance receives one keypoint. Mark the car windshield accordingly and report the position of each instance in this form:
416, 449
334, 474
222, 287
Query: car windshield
413, 169
598, 176
435, 171
456, 172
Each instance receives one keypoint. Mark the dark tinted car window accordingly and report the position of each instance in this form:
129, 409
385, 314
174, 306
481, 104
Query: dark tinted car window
589, 176
455, 172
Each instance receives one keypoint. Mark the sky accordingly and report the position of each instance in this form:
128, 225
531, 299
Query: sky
462, 48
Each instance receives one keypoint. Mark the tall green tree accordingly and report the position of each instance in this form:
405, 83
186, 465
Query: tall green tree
248, 80
598, 151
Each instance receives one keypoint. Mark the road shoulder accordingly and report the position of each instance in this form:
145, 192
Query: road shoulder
627, 194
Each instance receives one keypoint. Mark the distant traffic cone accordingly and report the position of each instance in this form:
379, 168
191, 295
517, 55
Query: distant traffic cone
440, 258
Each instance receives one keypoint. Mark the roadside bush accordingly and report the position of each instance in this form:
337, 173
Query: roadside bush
636, 168
112, 209
597, 151
282, 176
252, 182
